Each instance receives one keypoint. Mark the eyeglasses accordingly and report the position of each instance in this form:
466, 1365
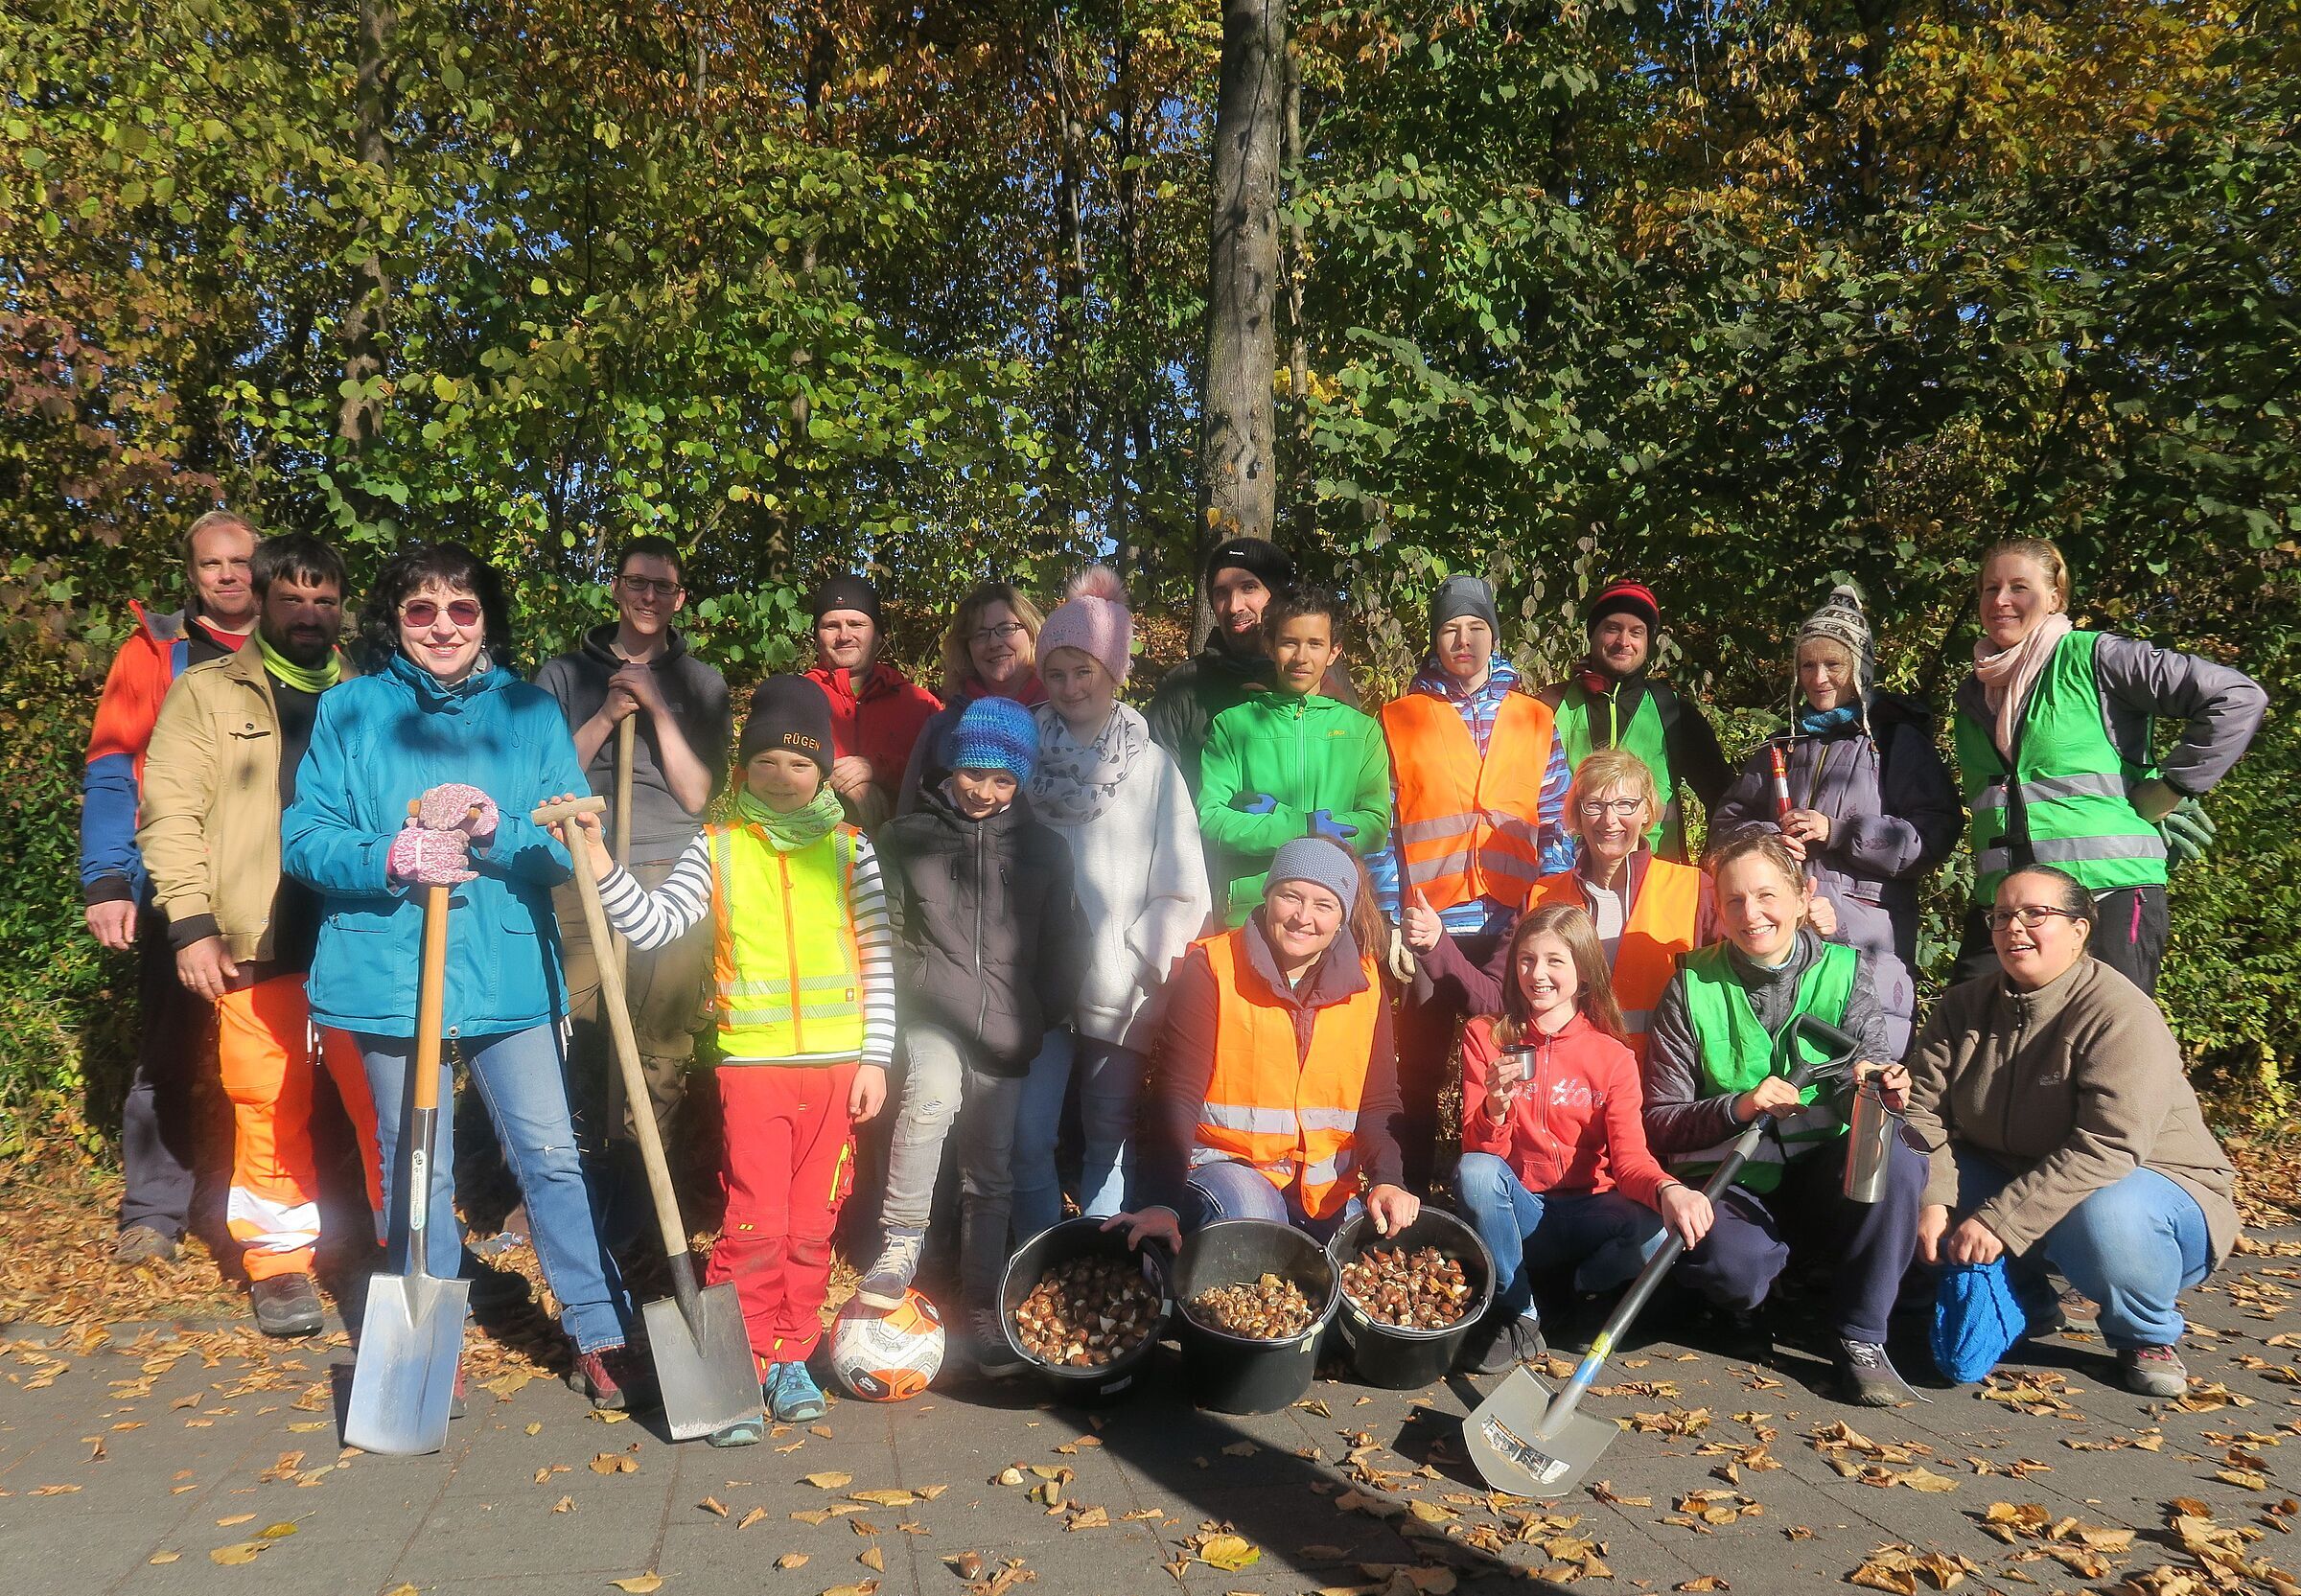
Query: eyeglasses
423, 611
1005, 633
2028, 917
647, 587
1597, 809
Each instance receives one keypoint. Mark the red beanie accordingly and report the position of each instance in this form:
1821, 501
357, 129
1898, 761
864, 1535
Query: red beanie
1617, 597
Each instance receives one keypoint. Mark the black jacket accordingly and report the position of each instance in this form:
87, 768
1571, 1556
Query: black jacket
696, 695
989, 941
1696, 756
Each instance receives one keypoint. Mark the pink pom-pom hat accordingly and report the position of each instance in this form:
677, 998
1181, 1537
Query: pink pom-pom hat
1093, 618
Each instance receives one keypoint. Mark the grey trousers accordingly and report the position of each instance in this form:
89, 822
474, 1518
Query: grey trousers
944, 1084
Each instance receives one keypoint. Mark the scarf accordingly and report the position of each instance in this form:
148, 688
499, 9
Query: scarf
303, 678
1813, 722
2007, 677
1077, 782
791, 830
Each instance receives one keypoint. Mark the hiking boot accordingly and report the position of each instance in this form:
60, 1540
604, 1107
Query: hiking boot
604, 1377
143, 1244
1869, 1377
890, 1277
995, 1358
2152, 1371
743, 1432
1502, 1341
287, 1304
792, 1395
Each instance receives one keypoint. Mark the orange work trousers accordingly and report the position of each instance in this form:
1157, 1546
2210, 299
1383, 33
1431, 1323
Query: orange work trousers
267, 1050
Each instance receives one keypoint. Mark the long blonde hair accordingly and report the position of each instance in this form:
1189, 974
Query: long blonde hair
1570, 923
958, 664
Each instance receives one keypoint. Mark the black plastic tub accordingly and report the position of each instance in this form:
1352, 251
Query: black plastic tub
1388, 1355
1079, 1238
1237, 1374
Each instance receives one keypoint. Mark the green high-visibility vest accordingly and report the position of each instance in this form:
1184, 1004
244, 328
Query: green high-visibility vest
1737, 1053
1578, 711
788, 969
2064, 801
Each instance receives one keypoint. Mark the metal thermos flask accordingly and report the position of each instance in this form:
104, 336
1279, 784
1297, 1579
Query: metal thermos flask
1869, 1142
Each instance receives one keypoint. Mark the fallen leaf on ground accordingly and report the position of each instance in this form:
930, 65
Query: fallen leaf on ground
792, 1560
1093, 1518
235, 1518
243, 1552
873, 1559
830, 1482
165, 1557
614, 1462
566, 1504
1703, 1582
1229, 1553
750, 1518
639, 1584
883, 1498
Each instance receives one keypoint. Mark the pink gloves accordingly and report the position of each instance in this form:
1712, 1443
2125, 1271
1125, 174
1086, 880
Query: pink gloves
424, 857
449, 806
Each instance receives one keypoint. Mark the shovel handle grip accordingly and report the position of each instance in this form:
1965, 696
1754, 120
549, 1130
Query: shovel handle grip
626, 734
551, 814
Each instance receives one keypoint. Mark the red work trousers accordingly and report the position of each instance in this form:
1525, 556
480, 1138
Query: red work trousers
790, 1163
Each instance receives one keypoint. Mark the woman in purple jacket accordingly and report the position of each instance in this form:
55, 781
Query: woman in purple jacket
1872, 808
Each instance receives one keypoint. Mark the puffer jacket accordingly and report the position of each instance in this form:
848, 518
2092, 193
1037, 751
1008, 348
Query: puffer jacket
387, 738
988, 935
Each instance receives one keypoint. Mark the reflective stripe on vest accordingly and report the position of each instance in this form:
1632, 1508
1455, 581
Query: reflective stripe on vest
1661, 925
1295, 1119
2064, 801
1578, 712
1469, 828
1737, 1053
785, 962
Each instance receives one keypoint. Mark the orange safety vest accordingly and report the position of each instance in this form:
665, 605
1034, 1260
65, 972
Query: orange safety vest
1662, 927
1469, 828
1295, 1122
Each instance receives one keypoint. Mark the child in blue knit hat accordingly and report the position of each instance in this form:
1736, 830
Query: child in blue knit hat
988, 947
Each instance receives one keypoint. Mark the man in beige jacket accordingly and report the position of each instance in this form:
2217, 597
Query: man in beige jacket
2060, 1123
220, 772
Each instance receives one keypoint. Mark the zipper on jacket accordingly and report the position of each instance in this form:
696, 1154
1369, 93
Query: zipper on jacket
2021, 1025
782, 865
982, 885
1541, 1106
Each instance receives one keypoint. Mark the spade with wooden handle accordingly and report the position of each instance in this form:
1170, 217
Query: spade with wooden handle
703, 1358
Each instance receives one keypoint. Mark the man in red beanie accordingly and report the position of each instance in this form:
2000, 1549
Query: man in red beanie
1610, 702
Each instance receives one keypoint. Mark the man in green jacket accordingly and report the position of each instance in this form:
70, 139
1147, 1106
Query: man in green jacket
1291, 763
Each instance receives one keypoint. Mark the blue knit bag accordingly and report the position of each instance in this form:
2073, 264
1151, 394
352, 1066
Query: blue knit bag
1976, 1320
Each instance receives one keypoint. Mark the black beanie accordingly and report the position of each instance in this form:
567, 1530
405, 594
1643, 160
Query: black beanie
788, 712
846, 591
1460, 595
1258, 556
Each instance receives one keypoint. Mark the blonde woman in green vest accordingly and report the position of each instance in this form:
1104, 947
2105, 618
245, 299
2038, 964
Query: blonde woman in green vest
803, 959
1710, 1069
2055, 754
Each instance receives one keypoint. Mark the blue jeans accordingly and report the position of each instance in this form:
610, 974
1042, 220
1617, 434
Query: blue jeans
2133, 1246
1603, 1236
1225, 1188
1107, 1092
521, 1076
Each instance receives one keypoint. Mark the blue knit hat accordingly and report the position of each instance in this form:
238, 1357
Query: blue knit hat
996, 735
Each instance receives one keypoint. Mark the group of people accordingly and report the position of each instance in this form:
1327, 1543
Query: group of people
1245, 931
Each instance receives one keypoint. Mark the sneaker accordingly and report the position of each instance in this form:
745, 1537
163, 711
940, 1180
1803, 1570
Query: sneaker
287, 1304
1868, 1377
143, 1244
889, 1278
2152, 1371
743, 1432
603, 1378
996, 1359
792, 1395
1502, 1341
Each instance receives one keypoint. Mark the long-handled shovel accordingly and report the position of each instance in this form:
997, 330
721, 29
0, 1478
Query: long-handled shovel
703, 1358
411, 1336
1528, 1441
626, 733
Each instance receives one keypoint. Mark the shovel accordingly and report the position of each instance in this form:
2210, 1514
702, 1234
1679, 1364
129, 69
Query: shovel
1529, 1443
411, 1336
703, 1360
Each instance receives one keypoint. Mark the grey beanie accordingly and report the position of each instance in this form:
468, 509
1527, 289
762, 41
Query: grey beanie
1841, 620
1320, 861
1462, 595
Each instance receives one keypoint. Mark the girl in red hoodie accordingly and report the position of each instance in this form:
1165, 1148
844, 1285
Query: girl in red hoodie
1554, 1171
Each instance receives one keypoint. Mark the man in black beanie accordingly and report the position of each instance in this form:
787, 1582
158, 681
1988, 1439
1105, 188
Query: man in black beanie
1241, 576
877, 713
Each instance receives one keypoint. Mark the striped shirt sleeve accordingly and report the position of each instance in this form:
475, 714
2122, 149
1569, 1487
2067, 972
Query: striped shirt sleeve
652, 919
875, 940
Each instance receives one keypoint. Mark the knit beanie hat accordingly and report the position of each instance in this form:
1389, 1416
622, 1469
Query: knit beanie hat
1320, 861
1462, 595
1261, 555
995, 734
1841, 620
1093, 618
845, 591
788, 712
1623, 597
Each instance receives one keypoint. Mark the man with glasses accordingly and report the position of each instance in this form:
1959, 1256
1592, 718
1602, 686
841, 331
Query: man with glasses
638, 669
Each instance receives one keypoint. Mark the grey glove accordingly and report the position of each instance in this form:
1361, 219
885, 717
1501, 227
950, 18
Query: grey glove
2187, 832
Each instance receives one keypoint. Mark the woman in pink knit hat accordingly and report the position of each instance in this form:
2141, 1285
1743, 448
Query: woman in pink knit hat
1120, 801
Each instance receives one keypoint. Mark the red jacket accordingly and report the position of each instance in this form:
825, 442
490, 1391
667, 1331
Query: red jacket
881, 722
1578, 1123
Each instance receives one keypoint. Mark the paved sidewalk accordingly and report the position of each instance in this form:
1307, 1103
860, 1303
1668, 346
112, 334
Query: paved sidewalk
129, 1466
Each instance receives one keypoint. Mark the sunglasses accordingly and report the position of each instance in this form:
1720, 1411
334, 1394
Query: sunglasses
423, 611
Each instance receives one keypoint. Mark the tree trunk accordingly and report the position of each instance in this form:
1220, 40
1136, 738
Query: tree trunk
1070, 278
1298, 345
1238, 485
1129, 443
359, 418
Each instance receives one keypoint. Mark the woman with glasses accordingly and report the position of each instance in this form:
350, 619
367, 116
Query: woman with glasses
442, 720
2053, 751
989, 650
1871, 807
2062, 1131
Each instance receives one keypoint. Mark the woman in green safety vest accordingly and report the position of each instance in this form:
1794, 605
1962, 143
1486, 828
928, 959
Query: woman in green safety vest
1710, 1069
2054, 755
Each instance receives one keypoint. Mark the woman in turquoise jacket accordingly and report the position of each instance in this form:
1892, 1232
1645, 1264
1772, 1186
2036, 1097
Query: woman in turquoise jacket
442, 720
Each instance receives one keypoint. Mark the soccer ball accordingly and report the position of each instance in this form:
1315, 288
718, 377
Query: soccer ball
887, 1356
